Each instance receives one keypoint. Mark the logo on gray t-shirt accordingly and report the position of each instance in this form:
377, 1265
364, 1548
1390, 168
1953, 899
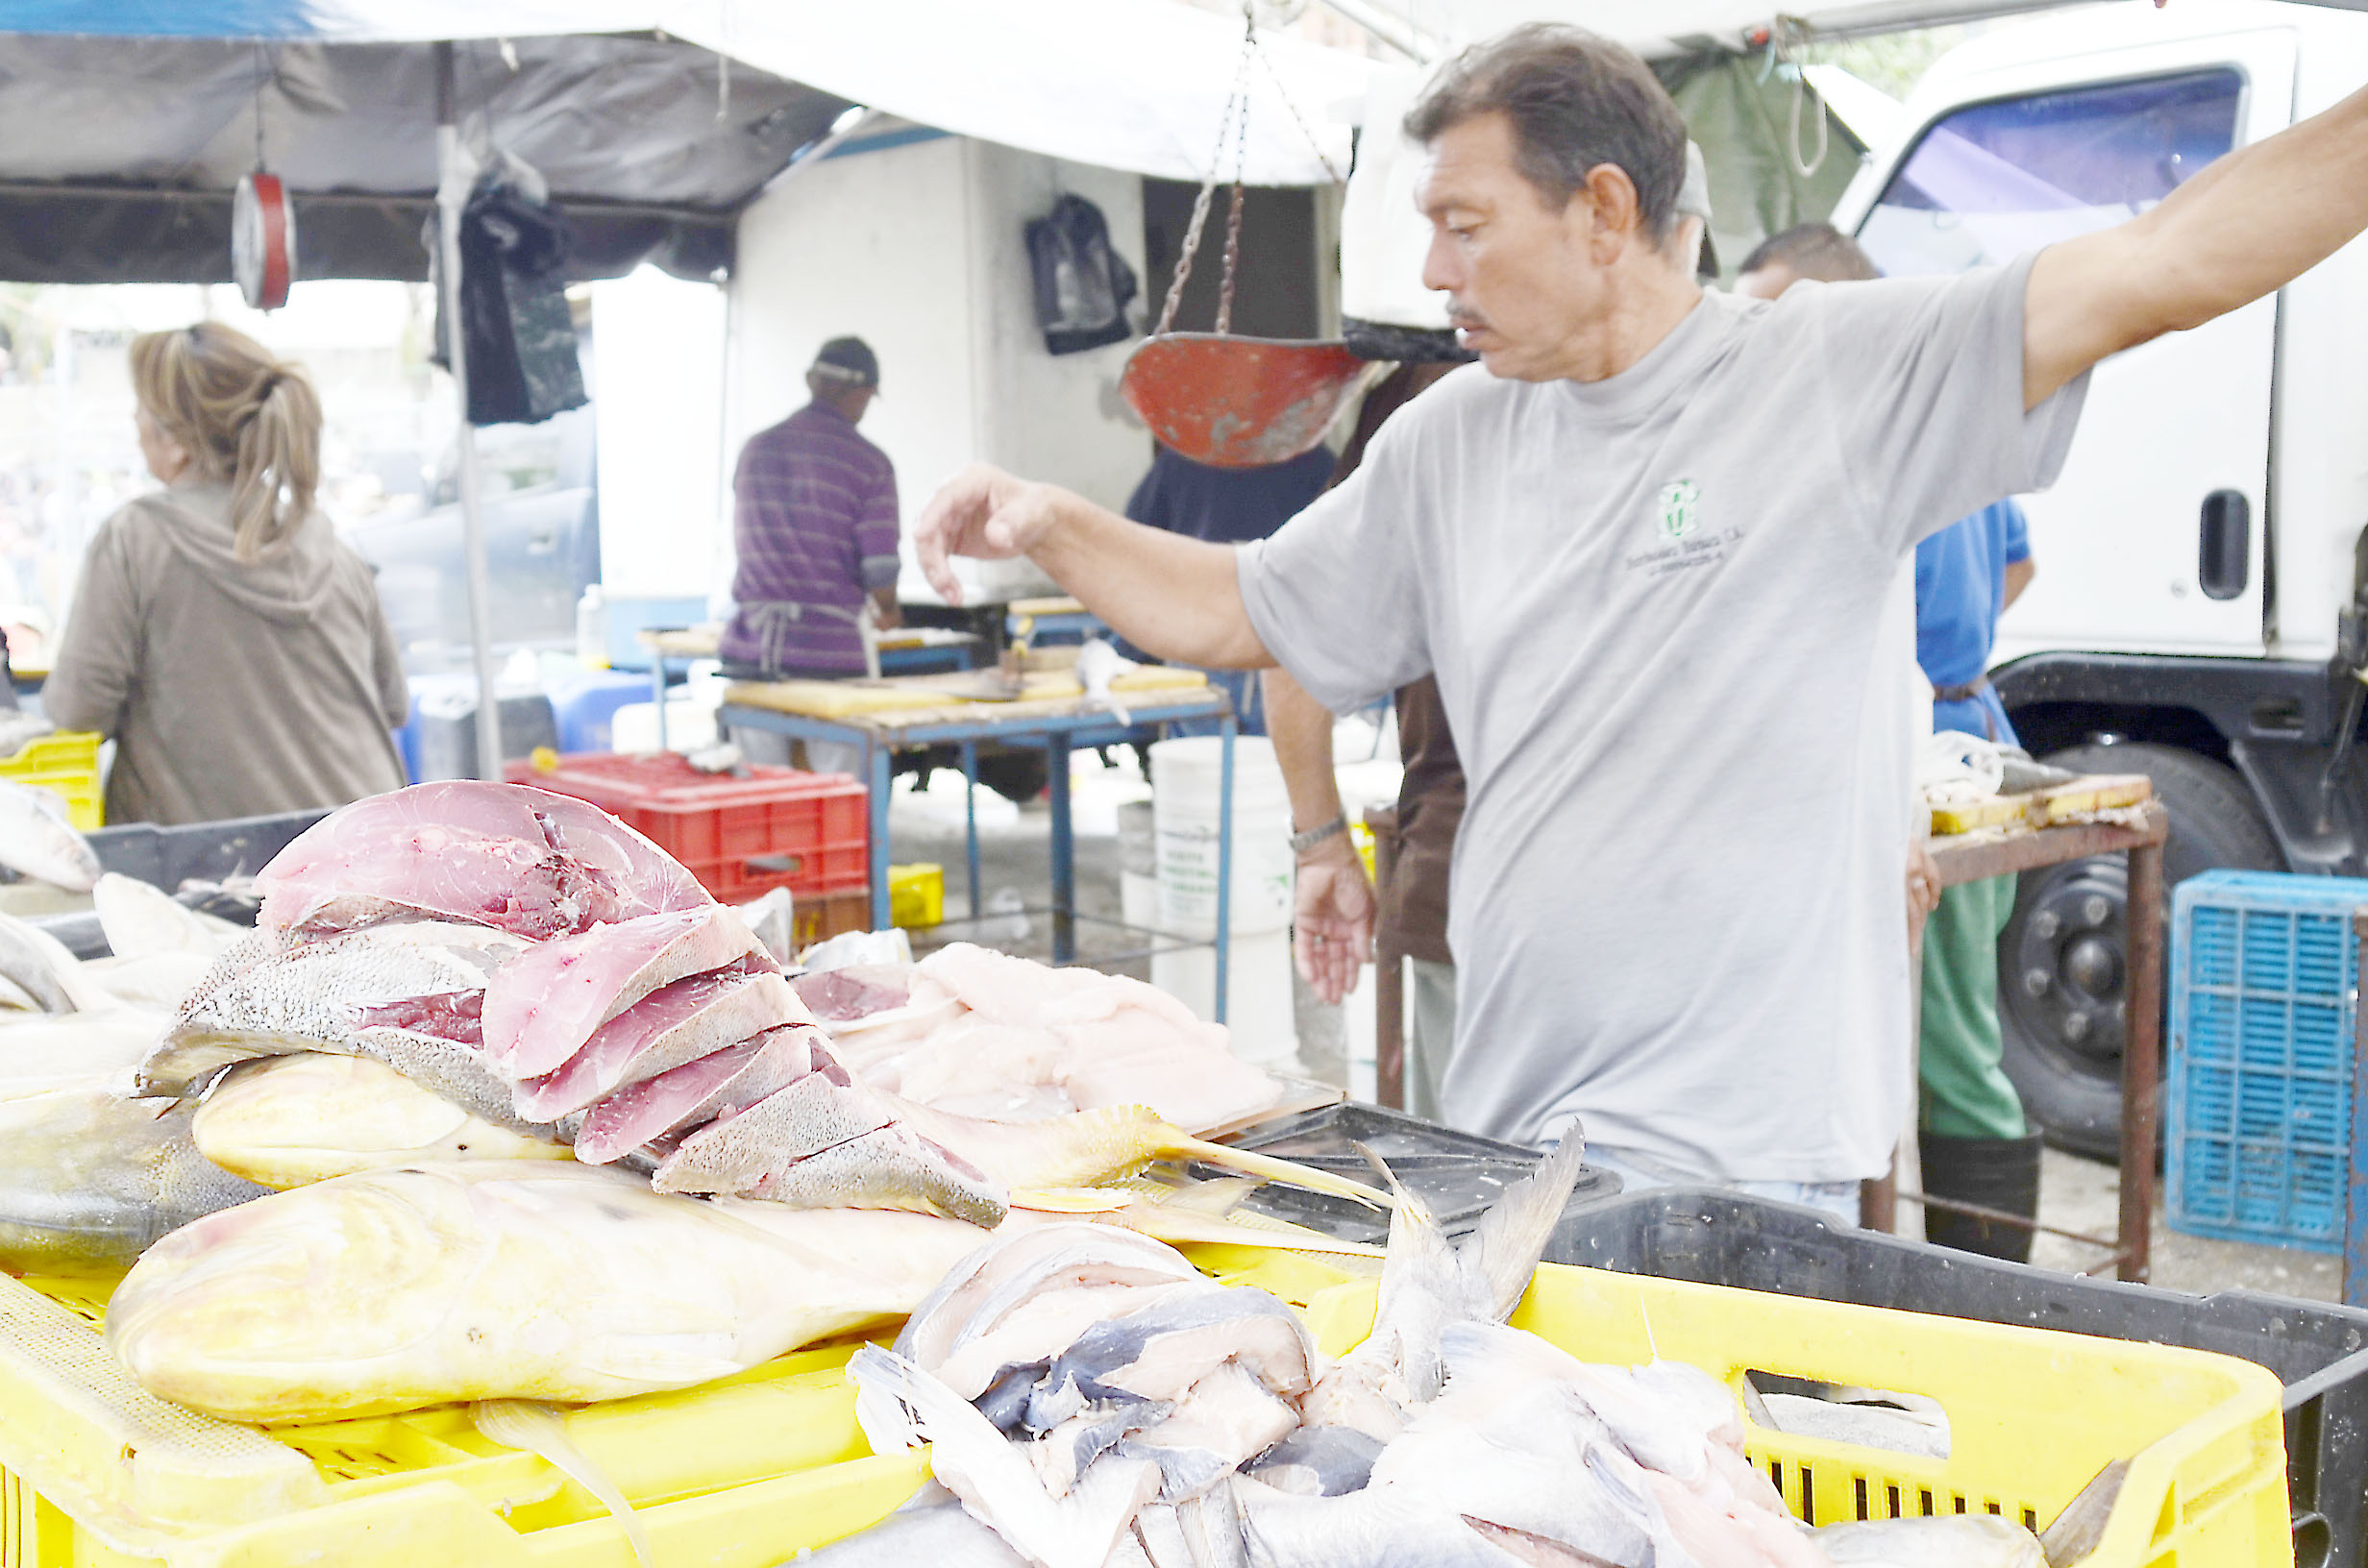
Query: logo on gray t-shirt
1678, 510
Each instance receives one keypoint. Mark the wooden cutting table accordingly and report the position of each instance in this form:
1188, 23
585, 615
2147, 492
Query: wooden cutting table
1974, 857
904, 651
910, 713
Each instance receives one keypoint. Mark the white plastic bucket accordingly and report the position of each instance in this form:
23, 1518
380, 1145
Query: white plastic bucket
1138, 866
1258, 998
1185, 788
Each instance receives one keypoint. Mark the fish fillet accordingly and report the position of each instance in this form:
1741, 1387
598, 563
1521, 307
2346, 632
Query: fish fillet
697, 1092
671, 1026
289, 1120
542, 1006
398, 1288
524, 860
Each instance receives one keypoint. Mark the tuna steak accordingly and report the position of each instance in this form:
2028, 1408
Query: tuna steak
524, 861
544, 1006
666, 1029
697, 1092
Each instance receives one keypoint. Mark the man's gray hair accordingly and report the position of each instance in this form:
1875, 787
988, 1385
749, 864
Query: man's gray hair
1576, 101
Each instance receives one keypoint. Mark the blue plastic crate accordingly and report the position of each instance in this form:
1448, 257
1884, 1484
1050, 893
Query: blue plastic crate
2264, 978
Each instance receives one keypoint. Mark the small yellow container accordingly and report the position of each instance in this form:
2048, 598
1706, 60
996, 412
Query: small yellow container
917, 894
66, 764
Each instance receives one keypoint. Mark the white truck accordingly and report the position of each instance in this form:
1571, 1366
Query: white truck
2201, 608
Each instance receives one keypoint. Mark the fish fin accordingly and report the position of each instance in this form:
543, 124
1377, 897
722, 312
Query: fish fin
1071, 1200
1176, 1144
993, 1476
1179, 1226
1505, 1246
539, 1428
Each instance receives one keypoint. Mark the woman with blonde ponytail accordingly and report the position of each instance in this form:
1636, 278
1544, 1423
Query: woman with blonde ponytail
224, 637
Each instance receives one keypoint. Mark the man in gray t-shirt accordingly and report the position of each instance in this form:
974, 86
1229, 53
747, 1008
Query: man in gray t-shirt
1652, 549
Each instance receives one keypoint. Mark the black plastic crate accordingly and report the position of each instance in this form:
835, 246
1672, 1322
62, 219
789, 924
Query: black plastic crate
170, 857
1458, 1175
2319, 1351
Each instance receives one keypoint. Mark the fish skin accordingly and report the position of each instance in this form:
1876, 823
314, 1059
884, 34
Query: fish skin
525, 861
289, 1120
1159, 1350
1319, 1462
268, 998
671, 1027
697, 1092
92, 1178
941, 1535
899, 1406
38, 841
48, 1051
543, 1279
891, 1167
542, 1006
980, 1291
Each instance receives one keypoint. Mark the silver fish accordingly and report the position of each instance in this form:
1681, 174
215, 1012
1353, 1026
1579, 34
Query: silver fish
92, 1178
37, 840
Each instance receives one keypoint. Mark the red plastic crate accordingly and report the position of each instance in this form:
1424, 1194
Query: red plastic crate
741, 837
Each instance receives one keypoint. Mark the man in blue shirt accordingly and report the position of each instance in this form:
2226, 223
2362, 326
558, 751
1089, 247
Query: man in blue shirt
1227, 506
1976, 1146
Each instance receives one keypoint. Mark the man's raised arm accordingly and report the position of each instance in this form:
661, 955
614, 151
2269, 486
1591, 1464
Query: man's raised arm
2245, 227
1167, 594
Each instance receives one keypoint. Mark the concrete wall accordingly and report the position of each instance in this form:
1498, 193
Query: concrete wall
916, 246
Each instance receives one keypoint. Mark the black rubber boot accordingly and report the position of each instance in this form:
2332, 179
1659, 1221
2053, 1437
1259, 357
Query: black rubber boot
2001, 1173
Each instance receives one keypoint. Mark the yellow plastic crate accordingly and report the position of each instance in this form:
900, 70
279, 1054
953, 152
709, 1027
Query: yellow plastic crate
744, 1472
917, 894
66, 763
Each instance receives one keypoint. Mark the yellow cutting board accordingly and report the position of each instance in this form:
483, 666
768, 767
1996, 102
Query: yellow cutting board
847, 698
2045, 808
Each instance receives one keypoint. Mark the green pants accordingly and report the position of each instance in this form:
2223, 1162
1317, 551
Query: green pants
1964, 1092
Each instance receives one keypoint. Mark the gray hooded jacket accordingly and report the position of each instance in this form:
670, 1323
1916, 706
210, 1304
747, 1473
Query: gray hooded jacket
230, 689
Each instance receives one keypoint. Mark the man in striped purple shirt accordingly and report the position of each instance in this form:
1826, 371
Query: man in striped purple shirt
815, 522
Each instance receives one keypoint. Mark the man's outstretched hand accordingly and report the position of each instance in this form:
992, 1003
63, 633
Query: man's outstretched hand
981, 512
1332, 926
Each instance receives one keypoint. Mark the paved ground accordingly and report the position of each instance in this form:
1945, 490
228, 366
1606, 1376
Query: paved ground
2075, 1194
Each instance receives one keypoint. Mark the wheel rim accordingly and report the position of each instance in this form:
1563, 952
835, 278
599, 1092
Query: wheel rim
2063, 968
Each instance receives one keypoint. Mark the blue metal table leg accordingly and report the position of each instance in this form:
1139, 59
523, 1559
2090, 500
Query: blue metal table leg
1224, 863
969, 807
1064, 854
877, 759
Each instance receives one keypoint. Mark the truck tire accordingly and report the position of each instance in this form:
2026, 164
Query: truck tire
2060, 958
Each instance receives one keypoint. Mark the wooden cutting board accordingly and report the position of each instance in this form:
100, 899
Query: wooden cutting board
2045, 808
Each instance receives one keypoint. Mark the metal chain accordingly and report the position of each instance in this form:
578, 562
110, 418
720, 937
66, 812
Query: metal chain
1237, 105
1233, 233
1301, 120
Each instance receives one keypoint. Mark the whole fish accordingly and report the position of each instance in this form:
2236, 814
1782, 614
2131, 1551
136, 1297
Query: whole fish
36, 840
39, 965
524, 860
141, 921
89, 1178
45, 1051
543, 1280
289, 1121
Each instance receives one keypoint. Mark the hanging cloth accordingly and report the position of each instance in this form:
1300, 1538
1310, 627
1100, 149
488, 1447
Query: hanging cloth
1083, 285
523, 366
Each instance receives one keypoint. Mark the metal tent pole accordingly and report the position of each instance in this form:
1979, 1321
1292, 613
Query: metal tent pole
451, 195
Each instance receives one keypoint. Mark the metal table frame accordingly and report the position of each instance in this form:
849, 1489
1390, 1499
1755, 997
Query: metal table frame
1065, 729
2141, 1054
